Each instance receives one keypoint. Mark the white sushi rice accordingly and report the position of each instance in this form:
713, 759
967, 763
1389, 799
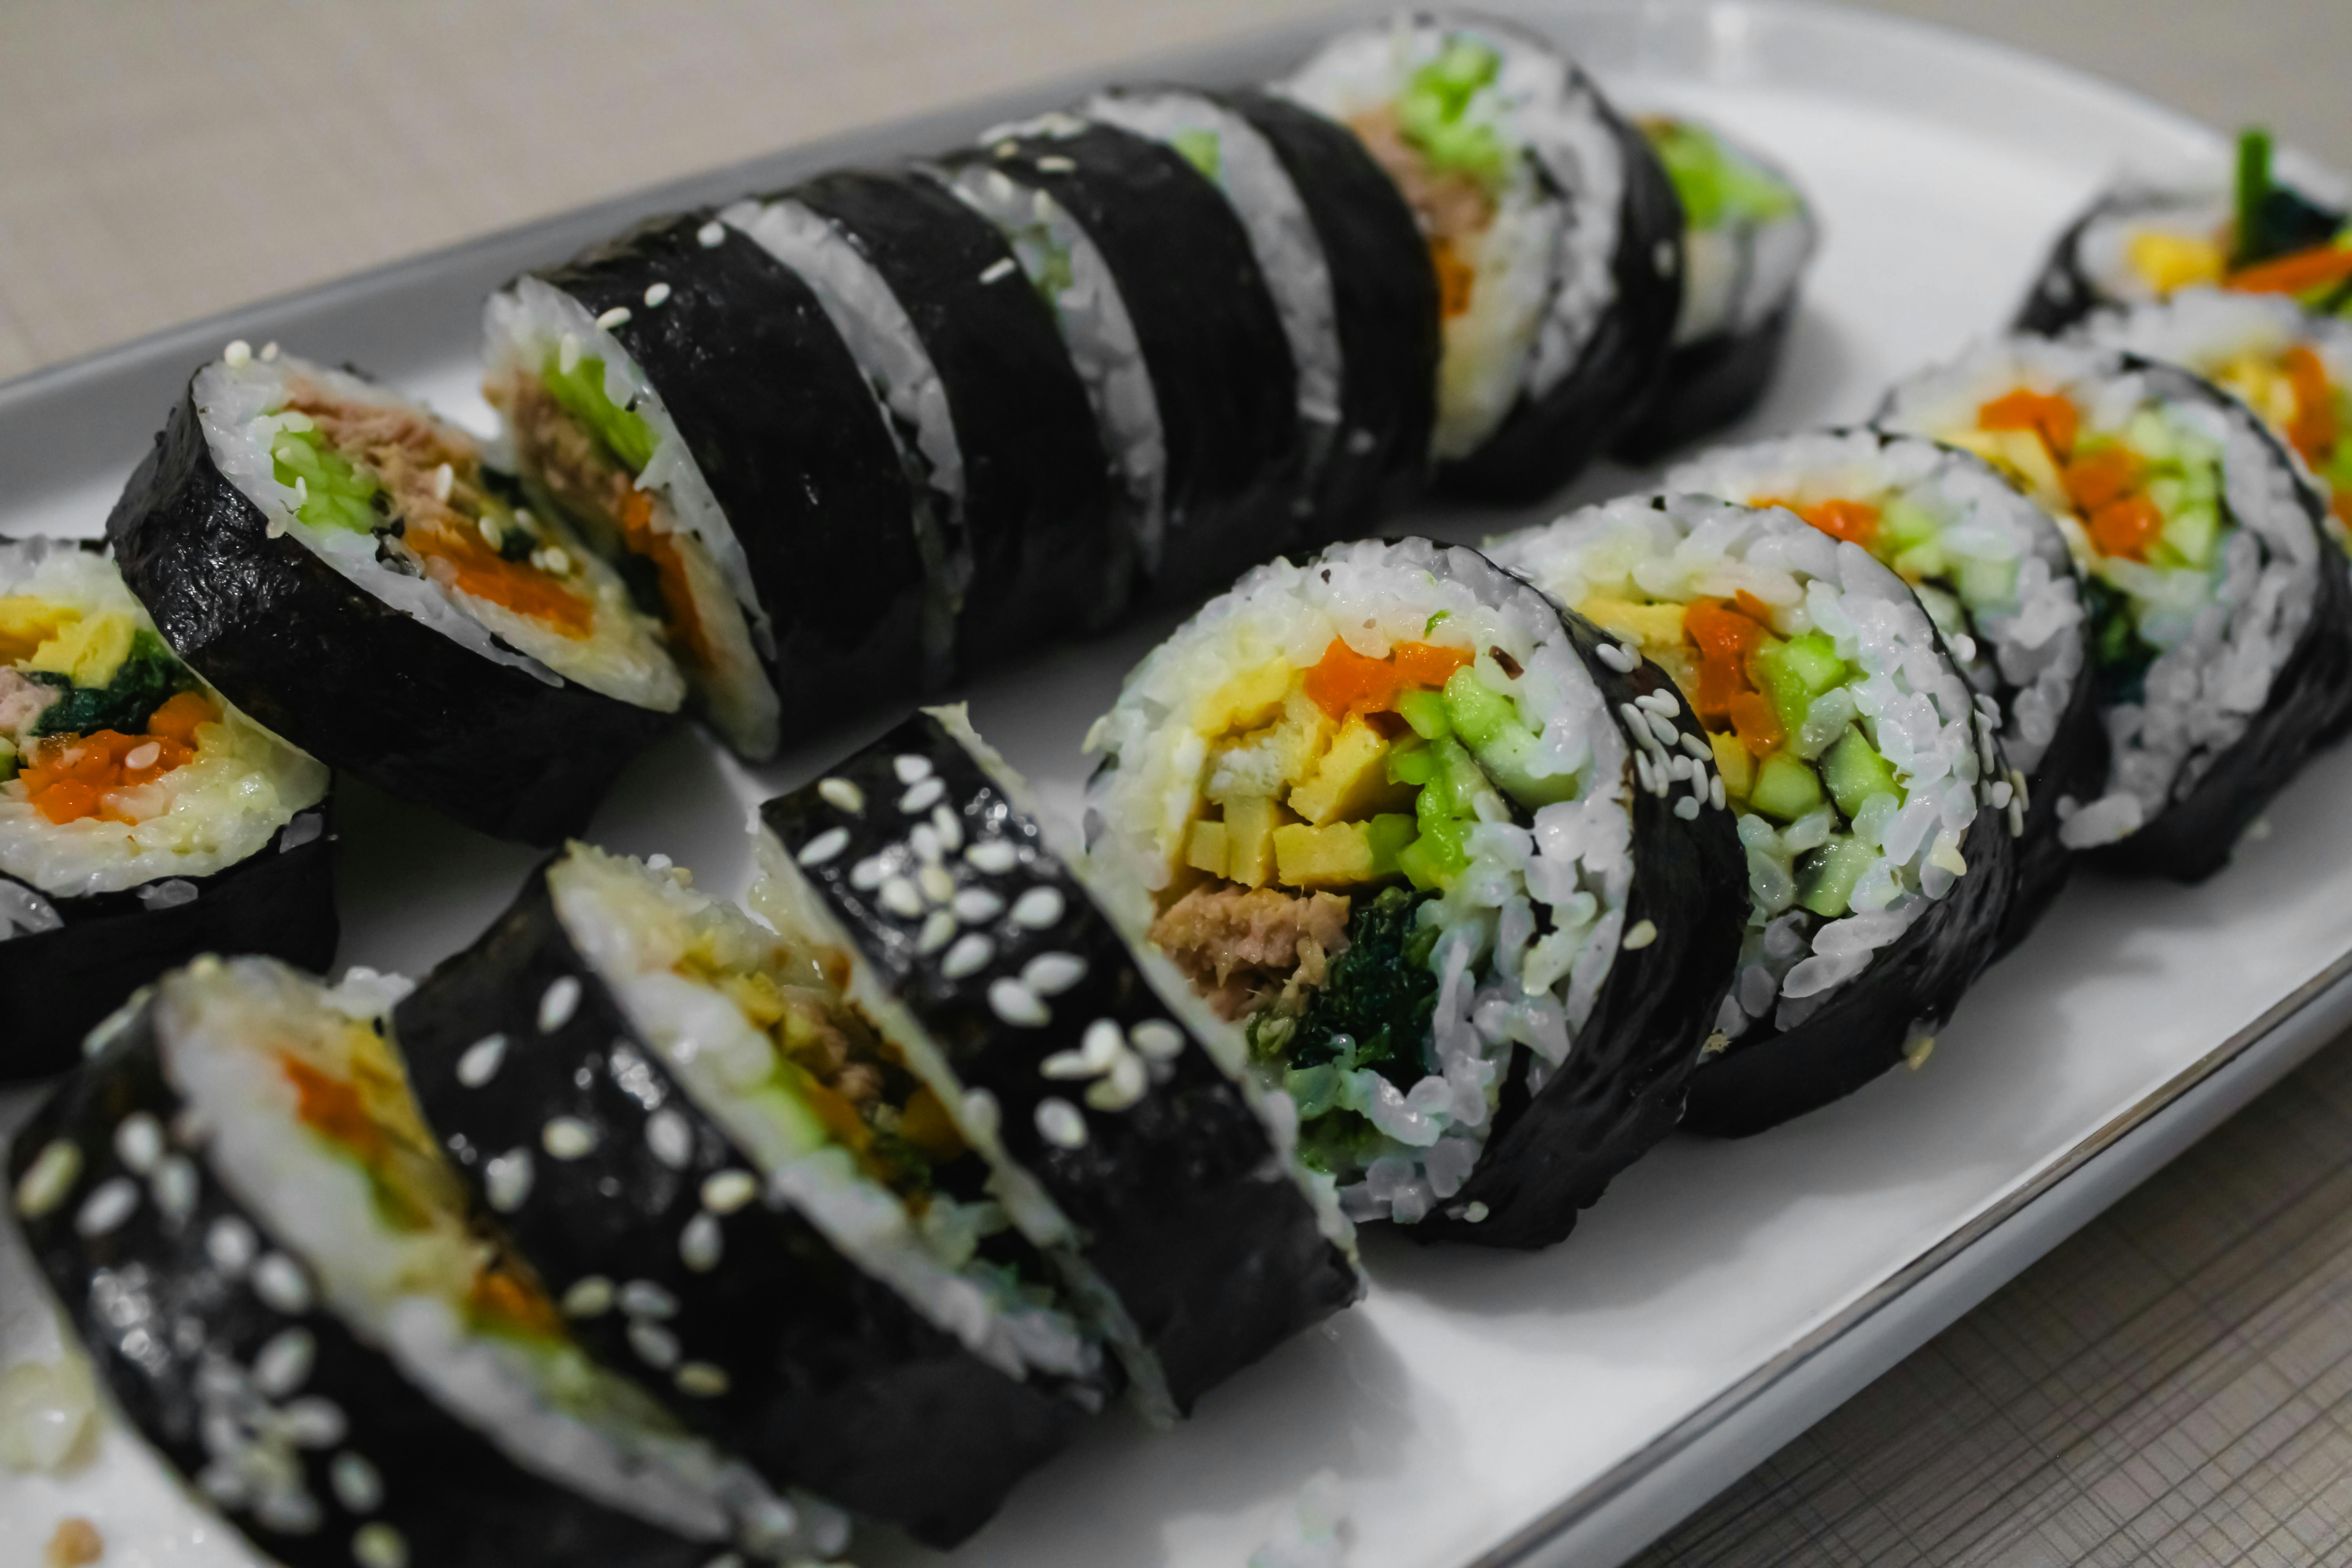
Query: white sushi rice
1501, 984
1545, 266
219, 809
882, 337
1095, 324
2223, 634
634, 925
1912, 706
2017, 580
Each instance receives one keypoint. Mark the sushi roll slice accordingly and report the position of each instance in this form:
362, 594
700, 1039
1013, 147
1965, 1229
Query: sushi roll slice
2219, 610
285, 1295
1855, 759
339, 564
2274, 223
736, 1188
1453, 867
1747, 234
980, 391
1343, 258
1171, 326
1121, 1141
687, 403
1992, 572
1553, 231
142, 819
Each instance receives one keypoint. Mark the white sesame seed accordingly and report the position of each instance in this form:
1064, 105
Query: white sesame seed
1715, 792
899, 896
312, 1423
1476, 1212
669, 1137
1051, 974
1664, 730
644, 1298
1038, 908
968, 956
868, 873
107, 1208
980, 1112
47, 1180
926, 842
567, 1138
269, 350
237, 353
175, 1185
711, 234
1656, 703
554, 561
1067, 1066
1158, 1039
1643, 933
557, 1004
355, 1482
1697, 747
591, 1296
492, 534
1121, 1087
444, 479
700, 1244
1017, 1005
480, 1062
1688, 808
951, 831
939, 930
618, 316
842, 795
1056, 164
1103, 1044
1007, 148
284, 1363
724, 1192
974, 906
379, 1545
1060, 1123
937, 885
1003, 268
993, 856
1615, 657
139, 1140
922, 796
702, 1380
505, 1180
656, 296
1678, 767
655, 1346
911, 767
301, 491
281, 1283
288, 1512
567, 353
230, 1244
823, 847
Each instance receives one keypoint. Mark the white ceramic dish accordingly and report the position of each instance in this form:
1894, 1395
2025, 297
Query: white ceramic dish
1478, 1409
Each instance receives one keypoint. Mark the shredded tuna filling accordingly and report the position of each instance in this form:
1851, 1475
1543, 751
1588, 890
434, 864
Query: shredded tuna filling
1247, 950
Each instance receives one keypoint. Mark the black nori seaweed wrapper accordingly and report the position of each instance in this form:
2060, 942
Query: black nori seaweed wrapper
173, 1323
1221, 367
1182, 1203
2063, 292
1622, 1088
1384, 301
310, 654
1038, 509
790, 439
2073, 764
56, 985
1709, 385
1546, 441
833, 1382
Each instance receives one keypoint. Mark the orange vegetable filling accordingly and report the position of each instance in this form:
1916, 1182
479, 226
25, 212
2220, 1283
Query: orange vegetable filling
489, 576
638, 533
2314, 430
1347, 682
1855, 521
2313, 269
68, 777
1729, 635
2049, 416
1455, 278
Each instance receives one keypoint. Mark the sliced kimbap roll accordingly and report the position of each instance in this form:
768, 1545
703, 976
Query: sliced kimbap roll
1855, 759
1992, 572
2275, 224
1747, 234
1343, 258
1171, 326
1122, 1139
981, 393
142, 819
687, 403
339, 564
287, 1297
2219, 610
735, 1187
1454, 867
1554, 233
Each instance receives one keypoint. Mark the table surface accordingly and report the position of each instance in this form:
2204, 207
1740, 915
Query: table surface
2174, 1383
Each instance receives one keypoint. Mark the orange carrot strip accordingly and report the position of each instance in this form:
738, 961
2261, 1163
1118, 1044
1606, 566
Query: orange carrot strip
2127, 527
2291, 274
2049, 416
2096, 478
2313, 431
1426, 663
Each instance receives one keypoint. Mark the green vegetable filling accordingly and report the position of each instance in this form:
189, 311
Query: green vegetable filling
149, 677
1200, 149
1715, 183
335, 493
1432, 114
580, 392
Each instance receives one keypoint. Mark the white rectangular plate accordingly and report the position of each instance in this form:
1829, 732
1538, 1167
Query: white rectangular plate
1478, 1408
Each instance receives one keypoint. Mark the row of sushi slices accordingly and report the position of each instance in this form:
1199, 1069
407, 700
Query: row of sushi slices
645, 1232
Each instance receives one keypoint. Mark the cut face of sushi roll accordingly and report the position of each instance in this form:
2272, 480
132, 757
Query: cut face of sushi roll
981, 393
320, 551
1857, 759
1747, 234
1456, 868
737, 1188
769, 518
142, 819
285, 1294
2218, 609
2275, 224
1553, 231
1171, 326
1992, 572
1119, 1137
